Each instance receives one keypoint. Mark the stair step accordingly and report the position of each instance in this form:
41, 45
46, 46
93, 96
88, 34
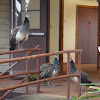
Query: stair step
39, 97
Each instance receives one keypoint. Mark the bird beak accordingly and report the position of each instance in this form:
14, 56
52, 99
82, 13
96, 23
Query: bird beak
27, 15
71, 59
55, 56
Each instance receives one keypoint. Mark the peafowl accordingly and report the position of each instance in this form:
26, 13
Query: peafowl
84, 76
45, 66
52, 70
20, 34
49, 70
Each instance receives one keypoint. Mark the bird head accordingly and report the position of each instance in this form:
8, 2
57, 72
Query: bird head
26, 15
26, 19
71, 59
56, 62
72, 66
55, 58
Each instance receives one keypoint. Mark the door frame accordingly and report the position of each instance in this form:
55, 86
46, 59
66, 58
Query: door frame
76, 40
61, 23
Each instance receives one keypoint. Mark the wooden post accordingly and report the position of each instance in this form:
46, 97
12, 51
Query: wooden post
98, 41
38, 75
79, 72
68, 78
27, 70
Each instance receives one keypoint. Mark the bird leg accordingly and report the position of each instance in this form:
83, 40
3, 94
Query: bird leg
48, 83
76, 88
19, 46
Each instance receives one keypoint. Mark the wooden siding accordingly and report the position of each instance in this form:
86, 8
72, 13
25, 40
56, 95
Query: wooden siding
4, 31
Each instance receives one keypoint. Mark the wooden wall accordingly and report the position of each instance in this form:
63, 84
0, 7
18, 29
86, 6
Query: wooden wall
4, 31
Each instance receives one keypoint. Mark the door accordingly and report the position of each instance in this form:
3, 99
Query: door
87, 34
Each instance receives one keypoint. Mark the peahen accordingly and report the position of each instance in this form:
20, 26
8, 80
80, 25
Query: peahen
20, 34
45, 66
48, 70
84, 76
52, 70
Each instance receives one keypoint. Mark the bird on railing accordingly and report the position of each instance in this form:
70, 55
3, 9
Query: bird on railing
84, 76
20, 34
49, 70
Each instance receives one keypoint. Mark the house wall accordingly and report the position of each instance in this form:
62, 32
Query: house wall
70, 23
4, 31
54, 27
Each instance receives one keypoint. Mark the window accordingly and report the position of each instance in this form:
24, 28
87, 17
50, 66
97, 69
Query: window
34, 12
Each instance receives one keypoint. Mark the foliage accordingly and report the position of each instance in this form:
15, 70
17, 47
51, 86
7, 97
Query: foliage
33, 77
87, 93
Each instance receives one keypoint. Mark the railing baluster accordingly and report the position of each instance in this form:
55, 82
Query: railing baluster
38, 75
27, 70
79, 72
68, 78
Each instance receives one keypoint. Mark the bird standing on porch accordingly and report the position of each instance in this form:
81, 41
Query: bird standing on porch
48, 70
84, 76
52, 70
20, 34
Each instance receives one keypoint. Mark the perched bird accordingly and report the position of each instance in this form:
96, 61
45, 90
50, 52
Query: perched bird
20, 34
84, 76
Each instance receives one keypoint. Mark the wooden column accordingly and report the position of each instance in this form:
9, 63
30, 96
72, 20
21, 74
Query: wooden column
98, 42
61, 22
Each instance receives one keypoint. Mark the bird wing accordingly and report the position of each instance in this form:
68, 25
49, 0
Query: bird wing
15, 30
47, 73
13, 42
45, 66
84, 77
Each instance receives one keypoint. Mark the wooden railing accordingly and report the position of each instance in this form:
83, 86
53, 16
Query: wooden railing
37, 70
27, 73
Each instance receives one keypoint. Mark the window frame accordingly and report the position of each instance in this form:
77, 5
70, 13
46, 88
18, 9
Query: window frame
41, 19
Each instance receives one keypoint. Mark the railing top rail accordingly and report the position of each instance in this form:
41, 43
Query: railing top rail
40, 55
16, 51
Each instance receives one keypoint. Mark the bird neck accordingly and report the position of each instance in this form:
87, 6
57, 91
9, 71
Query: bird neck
26, 22
56, 63
72, 67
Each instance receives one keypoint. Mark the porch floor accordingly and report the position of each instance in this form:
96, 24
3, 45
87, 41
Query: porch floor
57, 87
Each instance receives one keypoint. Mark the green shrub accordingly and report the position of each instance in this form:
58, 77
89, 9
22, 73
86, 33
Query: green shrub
87, 95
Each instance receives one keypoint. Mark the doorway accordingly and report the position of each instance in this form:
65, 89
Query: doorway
86, 34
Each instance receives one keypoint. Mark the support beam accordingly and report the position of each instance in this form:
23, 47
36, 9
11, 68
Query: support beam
98, 42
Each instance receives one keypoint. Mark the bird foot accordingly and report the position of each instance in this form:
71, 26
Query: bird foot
21, 49
75, 89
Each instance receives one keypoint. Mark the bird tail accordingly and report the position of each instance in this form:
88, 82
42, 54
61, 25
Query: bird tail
71, 59
33, 77
12, 47
12, 44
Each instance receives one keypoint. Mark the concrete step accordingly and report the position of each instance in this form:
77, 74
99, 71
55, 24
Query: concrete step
40, 96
